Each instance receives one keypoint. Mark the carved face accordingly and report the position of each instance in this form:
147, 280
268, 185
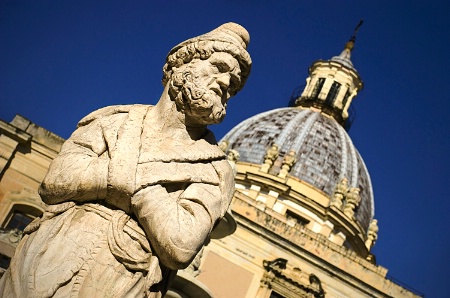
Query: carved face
206, 87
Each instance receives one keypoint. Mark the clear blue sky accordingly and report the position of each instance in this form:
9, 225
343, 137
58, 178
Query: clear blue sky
60, 59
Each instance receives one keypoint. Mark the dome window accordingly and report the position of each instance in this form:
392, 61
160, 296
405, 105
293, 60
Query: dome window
334, 90
344, 101
317, 88
20, 216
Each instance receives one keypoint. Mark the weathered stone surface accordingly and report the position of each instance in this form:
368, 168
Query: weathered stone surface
136, 190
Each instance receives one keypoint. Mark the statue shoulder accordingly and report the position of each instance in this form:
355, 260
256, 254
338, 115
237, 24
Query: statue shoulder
110, 110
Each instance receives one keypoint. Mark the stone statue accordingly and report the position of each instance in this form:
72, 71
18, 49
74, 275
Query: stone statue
352, 201
269, 158
136, 190
288, 162
372, 234
233, 157
223, 146
339, 192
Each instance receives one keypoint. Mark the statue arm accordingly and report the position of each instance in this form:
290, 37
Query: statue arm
177, 223
79, 172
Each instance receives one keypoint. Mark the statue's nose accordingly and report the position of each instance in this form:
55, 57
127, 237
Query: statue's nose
223, 81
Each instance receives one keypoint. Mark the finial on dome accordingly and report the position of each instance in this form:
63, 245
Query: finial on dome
344, 57
351, 43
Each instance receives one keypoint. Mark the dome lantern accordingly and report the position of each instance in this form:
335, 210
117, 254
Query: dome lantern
332, 84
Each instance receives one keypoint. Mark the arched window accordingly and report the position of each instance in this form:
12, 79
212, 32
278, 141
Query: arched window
344, 101
317, 88
20, 216
334, 90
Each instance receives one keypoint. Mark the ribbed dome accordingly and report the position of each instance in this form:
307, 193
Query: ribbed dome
325, 152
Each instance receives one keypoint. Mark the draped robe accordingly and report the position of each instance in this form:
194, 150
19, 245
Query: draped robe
127, 207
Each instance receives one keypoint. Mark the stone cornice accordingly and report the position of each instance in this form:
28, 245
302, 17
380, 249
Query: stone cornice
14, 133
313, 247
307, 196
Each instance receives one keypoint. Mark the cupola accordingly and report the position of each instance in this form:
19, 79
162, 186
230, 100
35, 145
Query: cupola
299, 165
332, 84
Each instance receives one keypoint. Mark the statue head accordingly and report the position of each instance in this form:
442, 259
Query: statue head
205, 71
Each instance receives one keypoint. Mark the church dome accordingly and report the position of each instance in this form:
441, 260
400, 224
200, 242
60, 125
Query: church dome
325, 153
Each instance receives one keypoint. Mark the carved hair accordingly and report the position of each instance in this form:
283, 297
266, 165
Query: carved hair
182, 77
202, 50
228, 38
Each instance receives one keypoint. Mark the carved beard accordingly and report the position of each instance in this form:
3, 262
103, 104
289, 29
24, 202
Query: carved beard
202, 104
